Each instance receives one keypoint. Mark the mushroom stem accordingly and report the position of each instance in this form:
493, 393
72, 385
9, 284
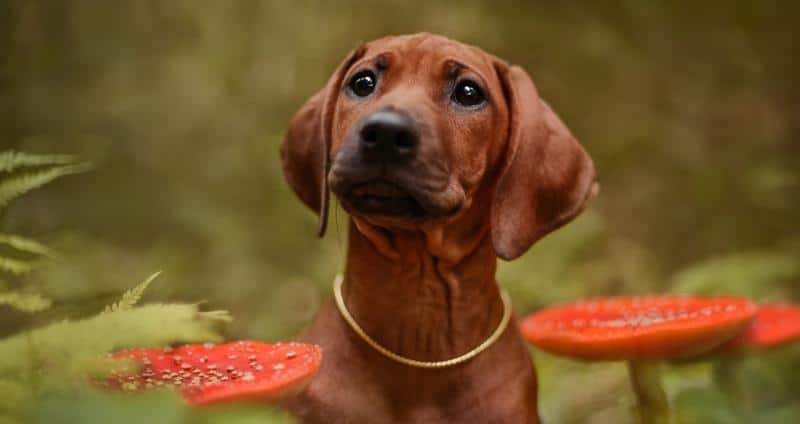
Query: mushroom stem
650, 396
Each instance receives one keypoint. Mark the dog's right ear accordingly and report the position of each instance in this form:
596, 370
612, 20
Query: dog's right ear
306, 144
547, 177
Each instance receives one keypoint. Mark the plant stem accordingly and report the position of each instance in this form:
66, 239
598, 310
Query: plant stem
650, 396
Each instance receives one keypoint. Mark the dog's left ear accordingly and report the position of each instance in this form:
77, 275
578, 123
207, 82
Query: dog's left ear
306, 144
546, 178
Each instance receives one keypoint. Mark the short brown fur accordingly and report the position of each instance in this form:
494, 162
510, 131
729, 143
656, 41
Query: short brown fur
492, 181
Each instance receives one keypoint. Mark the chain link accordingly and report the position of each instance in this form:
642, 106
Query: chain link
337, 292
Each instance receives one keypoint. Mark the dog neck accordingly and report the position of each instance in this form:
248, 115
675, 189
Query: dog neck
429, 294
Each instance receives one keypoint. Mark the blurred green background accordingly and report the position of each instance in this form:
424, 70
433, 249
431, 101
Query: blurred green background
689, 109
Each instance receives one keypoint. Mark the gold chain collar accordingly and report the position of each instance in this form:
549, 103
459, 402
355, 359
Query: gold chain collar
337, 293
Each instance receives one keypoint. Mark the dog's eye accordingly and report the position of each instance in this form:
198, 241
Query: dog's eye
363, 83
468, 93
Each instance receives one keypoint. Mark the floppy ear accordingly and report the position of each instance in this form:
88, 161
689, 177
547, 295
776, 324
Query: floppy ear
305, 148
546, 178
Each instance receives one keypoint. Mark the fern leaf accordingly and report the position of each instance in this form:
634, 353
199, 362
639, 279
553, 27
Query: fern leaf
18, 185
25, 302
132, 296
72, 347
15, 266
11, 160
26, 245
222, 316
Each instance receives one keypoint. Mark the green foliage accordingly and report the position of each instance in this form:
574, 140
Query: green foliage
46, 168
15, 266
65, 347
703, 405
152, 408
689, 113
11, 160
12, 393
38, 170
19, 185
131, 297
60, 356
554, 260
750, 274
57, 358
24, 302
26, 245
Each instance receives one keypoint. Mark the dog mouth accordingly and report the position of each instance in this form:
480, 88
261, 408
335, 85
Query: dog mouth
382, 197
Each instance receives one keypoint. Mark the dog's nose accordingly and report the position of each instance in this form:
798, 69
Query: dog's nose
388, 135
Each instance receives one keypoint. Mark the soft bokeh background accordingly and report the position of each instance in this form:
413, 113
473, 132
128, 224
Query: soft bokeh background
690, 111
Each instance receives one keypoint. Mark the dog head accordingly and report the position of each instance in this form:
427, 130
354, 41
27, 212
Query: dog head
409, 129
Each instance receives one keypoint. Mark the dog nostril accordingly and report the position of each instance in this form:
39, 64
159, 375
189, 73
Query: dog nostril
388, 134
369, 135
404, 140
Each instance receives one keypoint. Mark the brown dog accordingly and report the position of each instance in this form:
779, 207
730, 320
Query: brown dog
445, 157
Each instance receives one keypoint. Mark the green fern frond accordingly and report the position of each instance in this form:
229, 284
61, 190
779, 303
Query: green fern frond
25, 302
15, 266
26, 245
70, 348
11, 160
132, 296
18, 185
222, 316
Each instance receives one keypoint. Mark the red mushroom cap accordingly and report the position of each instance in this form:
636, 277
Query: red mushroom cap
208, 373
629, 328
774, 325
